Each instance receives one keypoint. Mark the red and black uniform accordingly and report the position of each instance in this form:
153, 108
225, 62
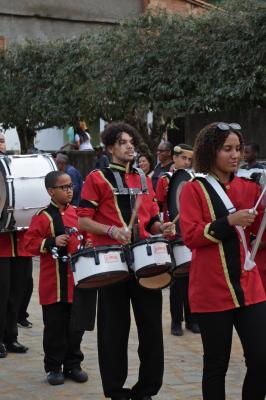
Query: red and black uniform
221, 292
179, 304
60, 340
100, 202
15, 272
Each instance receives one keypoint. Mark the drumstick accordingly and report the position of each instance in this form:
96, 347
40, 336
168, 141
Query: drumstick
134, 213
259, 199
175, 219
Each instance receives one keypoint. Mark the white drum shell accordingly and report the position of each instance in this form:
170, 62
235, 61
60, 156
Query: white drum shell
85, 267
25, 190
159, 256
182, 254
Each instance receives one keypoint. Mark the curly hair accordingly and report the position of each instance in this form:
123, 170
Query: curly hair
208, 141
113, 131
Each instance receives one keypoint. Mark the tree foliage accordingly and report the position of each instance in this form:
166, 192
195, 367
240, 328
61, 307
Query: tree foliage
169, 64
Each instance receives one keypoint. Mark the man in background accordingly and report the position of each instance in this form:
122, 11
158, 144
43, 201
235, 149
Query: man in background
165, 154
62, 162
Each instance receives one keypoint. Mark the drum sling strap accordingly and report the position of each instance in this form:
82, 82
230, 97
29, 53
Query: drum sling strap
248, 264
83, 309
133, 193
59, 229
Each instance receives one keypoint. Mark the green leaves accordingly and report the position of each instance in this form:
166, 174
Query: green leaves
171, 64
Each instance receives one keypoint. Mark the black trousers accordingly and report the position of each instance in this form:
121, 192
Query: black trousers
61, 343
14, 272
179, 305
23, 314
216, 332
113, 332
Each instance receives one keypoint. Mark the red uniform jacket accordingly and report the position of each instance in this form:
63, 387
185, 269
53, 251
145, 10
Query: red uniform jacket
56, 278
12, 244
99, 202
218, 280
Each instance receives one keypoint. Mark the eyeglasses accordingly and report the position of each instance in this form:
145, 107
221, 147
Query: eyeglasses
161, 151
65, 188
228, 127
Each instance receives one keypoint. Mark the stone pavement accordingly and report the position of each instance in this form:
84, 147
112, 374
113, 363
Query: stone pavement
22, 375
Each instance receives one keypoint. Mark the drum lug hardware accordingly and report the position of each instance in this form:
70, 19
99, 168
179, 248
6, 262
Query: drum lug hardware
149, 250
96, 257
73, 267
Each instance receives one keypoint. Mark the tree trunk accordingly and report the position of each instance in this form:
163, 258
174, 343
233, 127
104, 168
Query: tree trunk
26, 137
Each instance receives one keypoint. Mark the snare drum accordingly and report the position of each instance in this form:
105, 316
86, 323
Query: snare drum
152, 262
98, 267
22, 189
182, 256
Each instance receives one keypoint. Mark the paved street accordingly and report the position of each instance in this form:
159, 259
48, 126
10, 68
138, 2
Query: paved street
22, 376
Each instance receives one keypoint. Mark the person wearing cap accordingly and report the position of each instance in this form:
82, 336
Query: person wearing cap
179, 304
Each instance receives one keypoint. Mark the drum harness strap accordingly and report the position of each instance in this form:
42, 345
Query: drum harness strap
249, 264
133, 193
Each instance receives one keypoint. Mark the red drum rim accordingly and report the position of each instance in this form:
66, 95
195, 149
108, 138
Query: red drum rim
181, 270
102, 280
152, 270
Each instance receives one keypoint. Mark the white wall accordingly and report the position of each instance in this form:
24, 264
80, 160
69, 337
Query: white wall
46, 139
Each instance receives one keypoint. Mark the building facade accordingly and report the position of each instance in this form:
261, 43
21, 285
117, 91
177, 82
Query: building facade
50, 19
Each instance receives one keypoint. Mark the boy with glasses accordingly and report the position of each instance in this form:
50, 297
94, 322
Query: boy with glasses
49, 236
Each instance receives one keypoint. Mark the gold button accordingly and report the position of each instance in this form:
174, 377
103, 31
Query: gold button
227, 186
212, 233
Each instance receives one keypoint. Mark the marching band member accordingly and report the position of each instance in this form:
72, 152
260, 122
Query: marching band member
15, 266
106, 215
48, 237
182, 158
224, 290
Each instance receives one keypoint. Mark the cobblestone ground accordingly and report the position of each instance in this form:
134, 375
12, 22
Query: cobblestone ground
22, 375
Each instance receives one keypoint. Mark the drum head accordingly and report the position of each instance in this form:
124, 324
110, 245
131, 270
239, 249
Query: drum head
177, 181
156, 282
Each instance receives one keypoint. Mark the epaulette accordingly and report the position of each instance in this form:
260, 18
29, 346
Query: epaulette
38, 212
251, 179
167, 175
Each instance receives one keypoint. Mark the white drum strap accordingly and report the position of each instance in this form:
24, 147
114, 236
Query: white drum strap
249, 264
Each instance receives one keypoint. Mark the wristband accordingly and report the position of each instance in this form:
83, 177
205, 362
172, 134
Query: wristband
110, 231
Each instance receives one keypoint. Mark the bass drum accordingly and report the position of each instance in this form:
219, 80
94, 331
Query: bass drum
22, 189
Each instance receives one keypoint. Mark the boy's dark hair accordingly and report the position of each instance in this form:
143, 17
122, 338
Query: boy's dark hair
51, 178
112, 133
254, 146
208, 141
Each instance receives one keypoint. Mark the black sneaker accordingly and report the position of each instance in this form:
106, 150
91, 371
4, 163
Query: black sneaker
176, 329
24, 324
55, 377
3, 351
193, 327
76, 374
